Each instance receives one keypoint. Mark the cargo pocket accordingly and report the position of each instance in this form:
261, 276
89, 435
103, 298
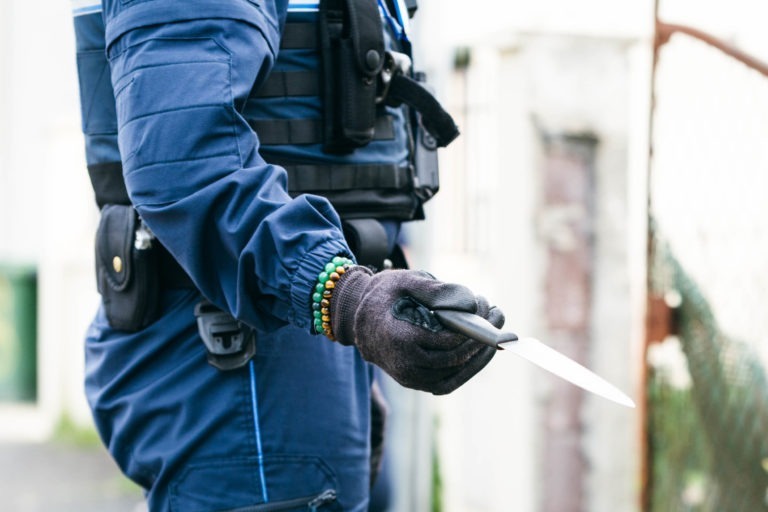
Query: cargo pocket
279, 483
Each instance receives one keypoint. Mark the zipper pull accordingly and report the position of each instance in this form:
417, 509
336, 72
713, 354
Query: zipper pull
323, 498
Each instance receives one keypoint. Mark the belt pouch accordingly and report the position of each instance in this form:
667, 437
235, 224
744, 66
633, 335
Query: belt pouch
352, 55
126, 275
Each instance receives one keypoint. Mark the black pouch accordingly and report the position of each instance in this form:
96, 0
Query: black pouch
352, 55
126, 275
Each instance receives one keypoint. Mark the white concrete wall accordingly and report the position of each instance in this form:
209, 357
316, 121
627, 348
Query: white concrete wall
47, 214
481, 236
561, 67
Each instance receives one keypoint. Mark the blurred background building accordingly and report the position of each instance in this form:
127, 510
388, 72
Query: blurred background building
552, 204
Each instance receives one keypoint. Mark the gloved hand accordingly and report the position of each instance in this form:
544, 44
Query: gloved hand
387, 316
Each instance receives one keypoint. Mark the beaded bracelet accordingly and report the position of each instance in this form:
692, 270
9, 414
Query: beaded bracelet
321, 297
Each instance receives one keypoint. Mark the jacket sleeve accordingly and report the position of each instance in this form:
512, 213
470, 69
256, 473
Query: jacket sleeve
191, 162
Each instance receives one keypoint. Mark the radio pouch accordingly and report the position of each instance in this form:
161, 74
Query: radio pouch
352, 55
126, 271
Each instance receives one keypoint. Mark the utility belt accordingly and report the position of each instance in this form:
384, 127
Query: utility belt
357, 80
132, 269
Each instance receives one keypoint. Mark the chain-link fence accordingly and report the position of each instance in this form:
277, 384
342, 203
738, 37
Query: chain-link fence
708, 414
707, 387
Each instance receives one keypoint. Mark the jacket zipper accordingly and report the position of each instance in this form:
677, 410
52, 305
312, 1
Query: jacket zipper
313, 503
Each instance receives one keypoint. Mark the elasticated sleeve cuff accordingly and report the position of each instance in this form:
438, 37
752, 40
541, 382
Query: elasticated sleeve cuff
305, 278
346, 297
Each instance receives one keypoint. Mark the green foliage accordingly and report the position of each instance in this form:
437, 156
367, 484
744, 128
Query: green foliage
680, 456
708, 442
437, 484
70, 433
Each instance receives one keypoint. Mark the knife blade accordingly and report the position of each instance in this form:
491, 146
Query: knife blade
479, 329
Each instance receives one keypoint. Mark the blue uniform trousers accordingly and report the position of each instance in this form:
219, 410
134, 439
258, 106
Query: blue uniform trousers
291, 425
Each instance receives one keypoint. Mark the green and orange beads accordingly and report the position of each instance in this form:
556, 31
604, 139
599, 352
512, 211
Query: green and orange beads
321, 296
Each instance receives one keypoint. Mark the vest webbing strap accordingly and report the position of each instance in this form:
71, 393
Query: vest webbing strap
308, 131
282, 84
336, 178
107, 179
108, 184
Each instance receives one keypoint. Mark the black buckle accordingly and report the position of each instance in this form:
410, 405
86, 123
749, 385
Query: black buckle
395, 63
229, 342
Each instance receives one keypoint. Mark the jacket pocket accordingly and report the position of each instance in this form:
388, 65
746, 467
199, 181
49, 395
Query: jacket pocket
276, 483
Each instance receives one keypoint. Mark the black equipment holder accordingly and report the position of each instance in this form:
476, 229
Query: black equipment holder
126, 269
230, 343
425, 153
352, 55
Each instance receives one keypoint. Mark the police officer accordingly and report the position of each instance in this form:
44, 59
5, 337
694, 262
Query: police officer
228, 367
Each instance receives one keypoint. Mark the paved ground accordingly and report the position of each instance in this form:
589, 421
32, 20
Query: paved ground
60, 477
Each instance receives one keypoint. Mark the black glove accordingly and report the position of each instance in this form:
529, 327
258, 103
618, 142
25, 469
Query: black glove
388, 317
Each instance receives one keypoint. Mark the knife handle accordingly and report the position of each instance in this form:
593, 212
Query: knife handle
473, 326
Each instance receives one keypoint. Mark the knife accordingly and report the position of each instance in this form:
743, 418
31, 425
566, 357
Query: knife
479, 329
